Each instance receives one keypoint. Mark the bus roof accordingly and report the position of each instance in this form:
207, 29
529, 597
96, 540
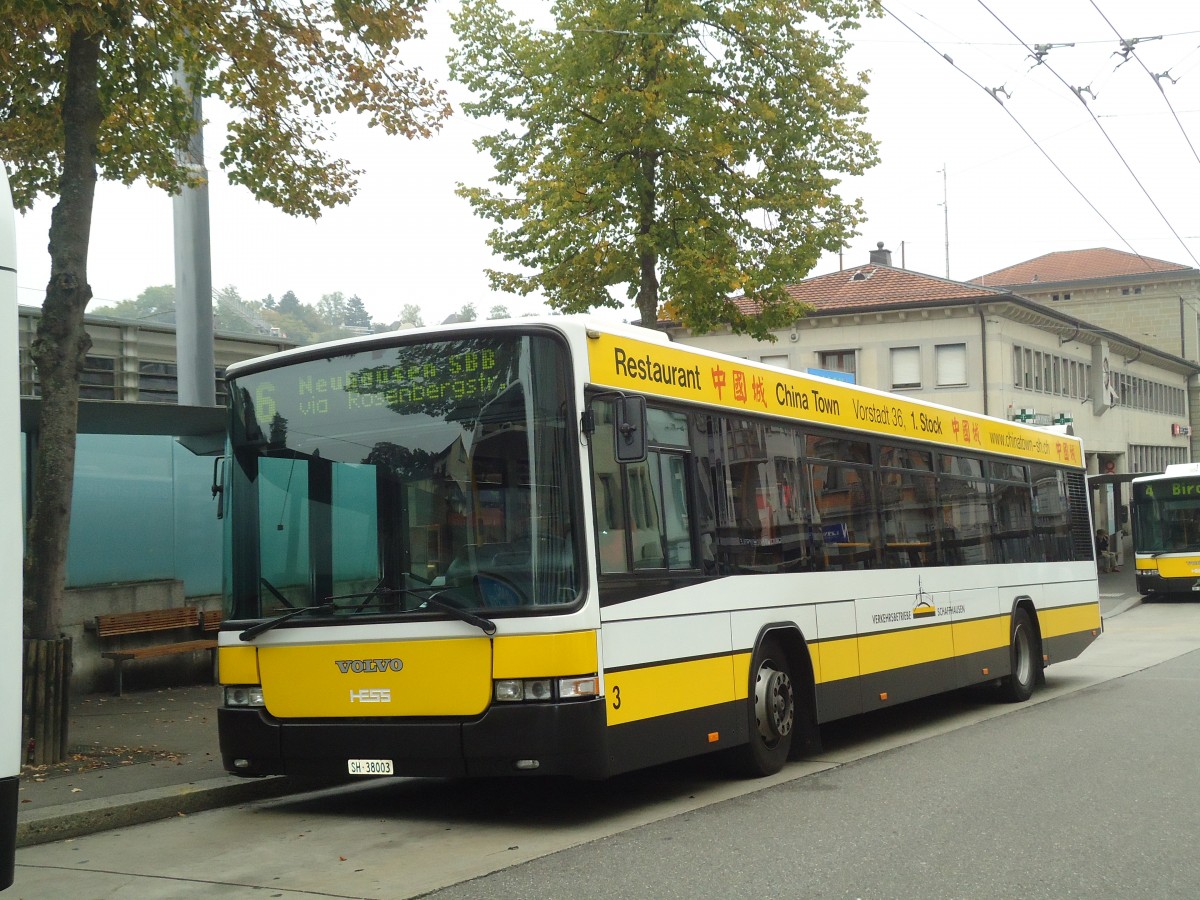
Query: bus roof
1177, 470
629, 357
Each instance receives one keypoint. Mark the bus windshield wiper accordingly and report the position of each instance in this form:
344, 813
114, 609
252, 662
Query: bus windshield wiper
255, 630
487, 626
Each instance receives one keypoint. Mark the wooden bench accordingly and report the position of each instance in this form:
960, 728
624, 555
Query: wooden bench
149, 622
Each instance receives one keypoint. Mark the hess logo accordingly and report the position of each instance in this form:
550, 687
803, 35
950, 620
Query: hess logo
371, 695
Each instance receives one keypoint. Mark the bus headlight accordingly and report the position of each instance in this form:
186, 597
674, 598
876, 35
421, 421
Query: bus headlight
247, 695
540, 690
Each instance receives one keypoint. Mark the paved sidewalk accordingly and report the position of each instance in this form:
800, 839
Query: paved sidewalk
154, 754
144, 756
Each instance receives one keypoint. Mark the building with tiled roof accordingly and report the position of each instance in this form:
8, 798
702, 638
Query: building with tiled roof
1155, 301
1077, 267
990, 349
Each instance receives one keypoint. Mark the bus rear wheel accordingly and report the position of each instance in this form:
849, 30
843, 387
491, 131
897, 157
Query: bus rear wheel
1017, 687
771, 708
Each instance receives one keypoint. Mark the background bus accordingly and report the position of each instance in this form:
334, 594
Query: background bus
11, 539
559, 547
1166, 530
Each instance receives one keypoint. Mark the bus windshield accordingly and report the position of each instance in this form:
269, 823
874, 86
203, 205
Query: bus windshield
400, 478
1166, 516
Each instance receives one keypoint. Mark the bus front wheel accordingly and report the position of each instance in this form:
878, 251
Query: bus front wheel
771, 708
1017, 687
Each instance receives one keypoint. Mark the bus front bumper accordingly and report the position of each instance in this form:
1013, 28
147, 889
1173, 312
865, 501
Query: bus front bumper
521, 739
1150, 582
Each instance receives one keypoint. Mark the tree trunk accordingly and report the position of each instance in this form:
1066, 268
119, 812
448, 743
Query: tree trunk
61, 343
647, 297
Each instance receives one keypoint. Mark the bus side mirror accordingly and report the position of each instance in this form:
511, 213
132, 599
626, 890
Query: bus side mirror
631, 429
218, 485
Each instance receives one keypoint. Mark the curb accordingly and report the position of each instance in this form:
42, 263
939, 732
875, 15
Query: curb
1124, 606
56, 823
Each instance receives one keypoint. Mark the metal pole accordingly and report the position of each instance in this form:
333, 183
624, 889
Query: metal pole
946, 218
193, 272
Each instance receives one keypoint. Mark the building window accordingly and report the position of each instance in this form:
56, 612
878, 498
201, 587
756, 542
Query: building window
906, 367
158, 382
98, 381
1144, 458
951, 362
838, 360
780, 360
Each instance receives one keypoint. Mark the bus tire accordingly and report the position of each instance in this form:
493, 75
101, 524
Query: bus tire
1017, 687
771, 708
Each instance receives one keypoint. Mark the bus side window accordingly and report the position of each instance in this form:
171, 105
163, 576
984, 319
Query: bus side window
609, 495
677, 523
645, 522
644, 517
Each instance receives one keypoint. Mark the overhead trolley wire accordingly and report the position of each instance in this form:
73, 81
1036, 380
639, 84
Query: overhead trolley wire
1100, 125
1130, 44
1024, 131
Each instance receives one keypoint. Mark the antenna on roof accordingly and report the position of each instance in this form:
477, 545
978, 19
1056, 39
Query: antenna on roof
945, 204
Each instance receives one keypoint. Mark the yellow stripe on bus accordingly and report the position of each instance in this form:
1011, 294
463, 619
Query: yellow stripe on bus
978, 635
1069, 620
544, 655
837, 660
1179, 566
237, 665
637, 694
898, 649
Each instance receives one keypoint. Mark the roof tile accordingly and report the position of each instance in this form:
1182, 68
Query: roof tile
1077, 265
874, 287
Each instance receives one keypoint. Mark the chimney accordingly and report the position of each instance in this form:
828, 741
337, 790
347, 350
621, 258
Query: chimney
880, 256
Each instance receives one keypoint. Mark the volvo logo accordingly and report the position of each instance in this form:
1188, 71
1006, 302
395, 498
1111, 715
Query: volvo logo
345, 666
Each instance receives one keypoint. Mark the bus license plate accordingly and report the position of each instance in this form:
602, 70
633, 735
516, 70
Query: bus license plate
370, 766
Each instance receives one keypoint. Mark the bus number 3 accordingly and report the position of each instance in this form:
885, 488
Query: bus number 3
616, 697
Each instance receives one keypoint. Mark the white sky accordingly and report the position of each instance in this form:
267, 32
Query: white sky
407, 238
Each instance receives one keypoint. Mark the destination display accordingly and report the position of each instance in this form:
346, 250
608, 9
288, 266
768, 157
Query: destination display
427, 378
627, 364
1164, 490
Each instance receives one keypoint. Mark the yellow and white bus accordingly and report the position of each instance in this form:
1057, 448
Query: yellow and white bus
1165, 510
12, 539
555, 546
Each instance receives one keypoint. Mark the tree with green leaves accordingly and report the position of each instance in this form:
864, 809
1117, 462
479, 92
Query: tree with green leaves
89, 91
332, 308
466, 313
410, 317
356, 313
155, 302
685, 151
